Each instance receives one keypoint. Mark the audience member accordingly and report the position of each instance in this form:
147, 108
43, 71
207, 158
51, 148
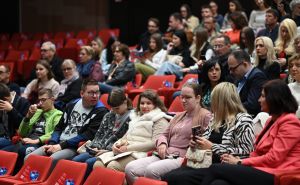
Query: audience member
249, 80
229, 132
214, 9
265, 58
121, 70
4, 78
79, 122
86, 61
233, 6
45, 80
69, 88
276, 148
12, 110
237, 22
247, 39
172, 145
107, 55
190, 21
257, 16
272, 26
97, 46
294, 70
209, 23
148, 121
153, 58
295, 11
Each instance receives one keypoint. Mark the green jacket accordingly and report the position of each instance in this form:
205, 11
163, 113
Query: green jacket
52, 118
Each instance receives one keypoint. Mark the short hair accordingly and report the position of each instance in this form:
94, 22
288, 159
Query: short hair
88, 49
225, 104
154, 98
123, 48
241, 56
87, 82
46, 91
4, 91
46, 65
69, 61
279, 97
50, 44
176, 16
7, 68
274, 12
155, 20
226, 39
293, 58
117, 97
293, 3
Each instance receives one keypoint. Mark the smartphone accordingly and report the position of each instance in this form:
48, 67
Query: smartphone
196, 131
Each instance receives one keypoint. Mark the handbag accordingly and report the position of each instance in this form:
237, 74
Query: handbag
197, 158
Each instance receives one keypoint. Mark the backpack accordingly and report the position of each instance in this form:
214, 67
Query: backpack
96, 72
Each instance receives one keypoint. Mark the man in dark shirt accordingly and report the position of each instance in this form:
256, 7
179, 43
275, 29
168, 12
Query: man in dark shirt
272, 25
4, 78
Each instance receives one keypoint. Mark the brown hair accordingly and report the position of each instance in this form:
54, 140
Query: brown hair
154, 98
117, 96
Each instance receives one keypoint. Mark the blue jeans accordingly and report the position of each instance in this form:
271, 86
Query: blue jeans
87, 158
4, 142
168, 68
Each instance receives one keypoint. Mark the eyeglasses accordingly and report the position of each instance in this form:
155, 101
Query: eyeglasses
235, 67
1, 72
218, 46
67, 69
42, 100
91, 94
44, 50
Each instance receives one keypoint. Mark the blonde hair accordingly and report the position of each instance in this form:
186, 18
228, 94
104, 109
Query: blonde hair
225, 104
292, 31
268, 44
88, 49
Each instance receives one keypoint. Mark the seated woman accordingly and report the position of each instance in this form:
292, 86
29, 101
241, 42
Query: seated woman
69, 88
121, 70
153, 57
247, 38
237, 22
276, 148
107, 54
265, 58
210, 76
230, 131
114, 125
294, 70
97, 46
86, 61
190, 21
44, 80
147, 123
175, 139
178, 56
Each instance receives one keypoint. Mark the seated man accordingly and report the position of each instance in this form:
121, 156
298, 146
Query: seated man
4, 78
39, 123
12, 110
79, 122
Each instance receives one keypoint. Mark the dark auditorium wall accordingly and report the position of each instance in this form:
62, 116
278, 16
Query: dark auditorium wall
63, 15
9, 13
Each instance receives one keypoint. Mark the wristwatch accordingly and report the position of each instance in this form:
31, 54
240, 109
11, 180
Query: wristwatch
239, 163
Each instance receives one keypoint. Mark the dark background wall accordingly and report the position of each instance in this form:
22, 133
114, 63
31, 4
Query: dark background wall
74, 15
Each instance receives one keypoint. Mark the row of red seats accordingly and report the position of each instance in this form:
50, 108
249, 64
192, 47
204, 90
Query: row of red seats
33, 172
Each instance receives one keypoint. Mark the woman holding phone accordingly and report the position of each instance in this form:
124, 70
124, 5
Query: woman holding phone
230, 131
172, 145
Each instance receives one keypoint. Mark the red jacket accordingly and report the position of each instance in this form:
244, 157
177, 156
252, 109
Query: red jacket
279, 148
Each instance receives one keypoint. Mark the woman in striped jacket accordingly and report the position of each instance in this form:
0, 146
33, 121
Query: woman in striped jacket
230, 131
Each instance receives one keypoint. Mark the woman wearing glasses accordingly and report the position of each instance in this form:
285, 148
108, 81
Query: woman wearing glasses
69, 88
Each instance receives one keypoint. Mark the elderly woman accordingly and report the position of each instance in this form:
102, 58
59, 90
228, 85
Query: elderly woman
265, 58
294, 70
44, 80
174, 140
230, 131
121, 70
69, 88
276, 148
86, 61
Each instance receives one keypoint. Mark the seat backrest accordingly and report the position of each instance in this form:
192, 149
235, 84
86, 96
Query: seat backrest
147, 181
8, 161
76, 43
106, 33
134, 84
65, 171
176, 105
34, 163
71, 53
64, 35
156, 82
15, 55
187, 77
35, 54
105, 176
103, 99
29, 44
86, 34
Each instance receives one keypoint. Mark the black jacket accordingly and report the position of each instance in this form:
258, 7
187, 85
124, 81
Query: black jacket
124, 73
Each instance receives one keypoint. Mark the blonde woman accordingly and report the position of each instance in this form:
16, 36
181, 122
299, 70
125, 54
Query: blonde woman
84, 66
229, 132
284, 44
265, 58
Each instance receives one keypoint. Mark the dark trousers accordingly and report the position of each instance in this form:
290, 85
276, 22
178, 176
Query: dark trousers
225, 174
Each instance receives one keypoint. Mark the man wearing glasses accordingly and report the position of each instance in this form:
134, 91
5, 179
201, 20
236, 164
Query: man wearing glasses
4, 78
79, 122
249, 80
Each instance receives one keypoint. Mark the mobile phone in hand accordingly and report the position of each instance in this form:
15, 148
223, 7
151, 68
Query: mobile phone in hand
196, 131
